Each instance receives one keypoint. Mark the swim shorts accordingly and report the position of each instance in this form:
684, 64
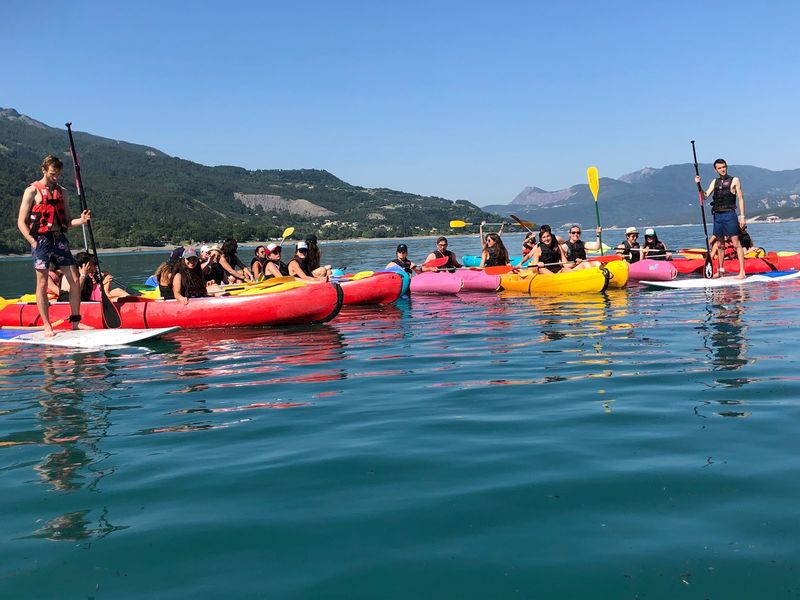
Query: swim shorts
52, 245
726, 223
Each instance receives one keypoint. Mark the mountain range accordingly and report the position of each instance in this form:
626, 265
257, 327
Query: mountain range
142, 196
650, 196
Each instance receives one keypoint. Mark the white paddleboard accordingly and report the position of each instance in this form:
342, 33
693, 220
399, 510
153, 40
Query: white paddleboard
82, 338
684, 284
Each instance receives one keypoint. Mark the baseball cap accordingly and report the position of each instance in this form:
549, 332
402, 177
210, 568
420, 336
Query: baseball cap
190, 253
649, 231
204, 248
402, 248
272, 248
302, 246
630, 230
175, 255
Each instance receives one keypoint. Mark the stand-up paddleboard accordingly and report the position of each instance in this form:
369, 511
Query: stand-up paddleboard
683, 284
82, 338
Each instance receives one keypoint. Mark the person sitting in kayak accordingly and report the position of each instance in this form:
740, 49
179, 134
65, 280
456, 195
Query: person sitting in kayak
547, 256
494, 252
259, 262
653, 248
746, 242
54, 278
314, 258
233, 266
187, 278
213, 272
483, 237
442, 252
402, 261
528, 243
275, 266
90, 291
298, 266
629, 249
575, 248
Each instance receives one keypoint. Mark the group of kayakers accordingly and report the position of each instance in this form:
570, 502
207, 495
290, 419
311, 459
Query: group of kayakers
44, 219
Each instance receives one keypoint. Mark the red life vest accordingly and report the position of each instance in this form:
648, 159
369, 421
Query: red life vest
44, 213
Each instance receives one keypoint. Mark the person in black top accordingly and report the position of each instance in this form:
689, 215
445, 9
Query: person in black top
629, 249
494, 252
402, 261
653, 248
275, 266
442, 252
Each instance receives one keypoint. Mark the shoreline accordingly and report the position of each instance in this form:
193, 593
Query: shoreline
253, 243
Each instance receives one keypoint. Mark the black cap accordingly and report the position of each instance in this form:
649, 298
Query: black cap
402, 248
176, 255
311, 238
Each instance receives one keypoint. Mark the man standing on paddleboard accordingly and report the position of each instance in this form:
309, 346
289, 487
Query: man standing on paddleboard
43, 221
727, 192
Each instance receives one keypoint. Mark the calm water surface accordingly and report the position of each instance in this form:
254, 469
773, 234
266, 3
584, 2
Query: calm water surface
634, 444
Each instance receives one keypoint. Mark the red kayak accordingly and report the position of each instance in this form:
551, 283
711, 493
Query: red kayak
770, 262
379, 288
298, 306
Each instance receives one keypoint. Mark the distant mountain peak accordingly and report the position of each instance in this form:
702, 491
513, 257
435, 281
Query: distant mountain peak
639, 175
12, 115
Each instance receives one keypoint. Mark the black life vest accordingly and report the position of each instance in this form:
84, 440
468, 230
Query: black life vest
493, 259
215, 272
550, 257
301, 262
450, 264
404, 264
260, 260
631, 257
283, 269
724, 199
576, 250
657, 252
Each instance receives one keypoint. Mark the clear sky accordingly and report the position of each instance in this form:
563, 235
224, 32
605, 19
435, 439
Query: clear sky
472, 100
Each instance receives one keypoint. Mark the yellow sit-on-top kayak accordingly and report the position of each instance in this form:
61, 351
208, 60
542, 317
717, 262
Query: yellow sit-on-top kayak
531, 282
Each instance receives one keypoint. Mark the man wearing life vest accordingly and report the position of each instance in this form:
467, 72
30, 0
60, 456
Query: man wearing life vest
43, 220
727, 192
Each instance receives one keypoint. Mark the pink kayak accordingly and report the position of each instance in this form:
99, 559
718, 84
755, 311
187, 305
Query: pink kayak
652, 270
432, 282
479, 281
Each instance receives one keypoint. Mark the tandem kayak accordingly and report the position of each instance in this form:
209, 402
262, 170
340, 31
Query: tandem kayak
314, 303
436, 282
584, 280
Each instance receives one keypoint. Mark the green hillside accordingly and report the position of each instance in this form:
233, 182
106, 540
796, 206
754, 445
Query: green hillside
141, 196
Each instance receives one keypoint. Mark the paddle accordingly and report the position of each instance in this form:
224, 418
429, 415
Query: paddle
111, 318
286, 233
436, 262
457, 224
708, 269
526, 224
594, 186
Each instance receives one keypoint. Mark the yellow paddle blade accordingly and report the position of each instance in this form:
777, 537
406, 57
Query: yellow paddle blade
458, 224
594, 181
27, 298
287, 232
362, 275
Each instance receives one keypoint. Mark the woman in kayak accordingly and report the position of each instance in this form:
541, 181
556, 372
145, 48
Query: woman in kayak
653, 248
90, 291
275, 266
547, 255
629, 249
494, 252
402, 261
259, 262
233, 266
314, 258
442, 252
298, 266
187, 280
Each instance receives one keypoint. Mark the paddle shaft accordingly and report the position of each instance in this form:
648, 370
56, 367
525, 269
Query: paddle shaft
521, 223
707, 268
111, 317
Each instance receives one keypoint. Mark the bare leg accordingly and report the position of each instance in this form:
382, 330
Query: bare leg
43, 302
739, 255
71, 275
716, 253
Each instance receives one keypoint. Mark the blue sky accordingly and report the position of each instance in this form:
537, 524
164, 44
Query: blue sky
471, 100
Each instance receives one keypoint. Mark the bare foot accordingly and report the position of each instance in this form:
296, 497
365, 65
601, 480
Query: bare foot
48, 331
716, 276
741, 276
81, 326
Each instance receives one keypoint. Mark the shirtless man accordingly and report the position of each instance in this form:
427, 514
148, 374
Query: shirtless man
43, 220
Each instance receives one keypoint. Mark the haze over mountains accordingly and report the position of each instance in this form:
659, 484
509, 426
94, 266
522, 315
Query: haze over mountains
665, 196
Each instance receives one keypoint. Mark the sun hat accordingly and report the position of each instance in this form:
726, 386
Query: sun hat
215, 248
272, 247
402, 248
649, 231
631, 230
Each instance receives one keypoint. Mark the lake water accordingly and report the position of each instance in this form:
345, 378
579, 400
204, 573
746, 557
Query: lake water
632, 444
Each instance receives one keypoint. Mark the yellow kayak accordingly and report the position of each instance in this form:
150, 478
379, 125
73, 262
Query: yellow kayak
619, 273
530, 282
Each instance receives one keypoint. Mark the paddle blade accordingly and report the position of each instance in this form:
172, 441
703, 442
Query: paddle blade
362, 275
499, 270
526, 224
436, 262
287, 232
594, 181
111, 318
708, 268
458, 224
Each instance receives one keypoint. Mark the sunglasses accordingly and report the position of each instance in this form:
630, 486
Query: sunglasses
575, 232
442, 245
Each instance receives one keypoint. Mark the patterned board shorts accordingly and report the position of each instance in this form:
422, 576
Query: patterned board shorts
52, 245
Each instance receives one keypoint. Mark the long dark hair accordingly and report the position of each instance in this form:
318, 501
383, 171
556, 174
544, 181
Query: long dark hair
229, 248
193, 283
502, 252
313, 258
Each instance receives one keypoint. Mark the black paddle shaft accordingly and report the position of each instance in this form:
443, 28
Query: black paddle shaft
110, 315
707, 268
